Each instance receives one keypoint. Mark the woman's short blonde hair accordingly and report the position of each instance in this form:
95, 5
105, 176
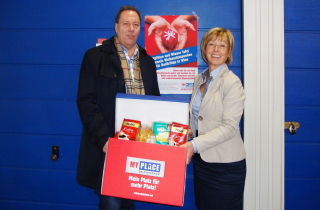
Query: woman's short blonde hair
217, 33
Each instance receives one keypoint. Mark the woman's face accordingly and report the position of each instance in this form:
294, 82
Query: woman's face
217, 52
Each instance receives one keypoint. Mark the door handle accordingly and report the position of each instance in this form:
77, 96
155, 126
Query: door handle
55, 153
292, 126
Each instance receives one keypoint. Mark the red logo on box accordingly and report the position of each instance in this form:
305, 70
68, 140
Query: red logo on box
145, 167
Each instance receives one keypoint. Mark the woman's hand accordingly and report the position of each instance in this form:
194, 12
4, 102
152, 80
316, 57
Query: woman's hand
189, 134
190, 151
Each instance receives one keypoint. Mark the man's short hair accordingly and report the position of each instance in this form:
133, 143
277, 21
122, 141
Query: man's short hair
127, 7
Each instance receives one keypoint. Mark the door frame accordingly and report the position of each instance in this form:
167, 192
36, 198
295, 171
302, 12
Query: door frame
263, 50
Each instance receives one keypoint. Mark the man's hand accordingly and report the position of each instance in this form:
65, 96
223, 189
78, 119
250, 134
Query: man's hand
105, 147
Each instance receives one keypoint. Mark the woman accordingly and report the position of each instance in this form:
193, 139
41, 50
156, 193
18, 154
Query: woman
216, 108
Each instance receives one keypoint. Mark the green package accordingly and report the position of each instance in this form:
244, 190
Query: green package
161, 132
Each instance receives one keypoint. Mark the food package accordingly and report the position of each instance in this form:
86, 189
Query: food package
161, 132
145, 133
169, 38
178, 133
130, 130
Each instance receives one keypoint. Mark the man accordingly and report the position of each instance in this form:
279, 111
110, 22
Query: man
119, 65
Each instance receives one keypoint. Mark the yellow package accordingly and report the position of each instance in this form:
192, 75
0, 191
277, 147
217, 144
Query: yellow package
145, 133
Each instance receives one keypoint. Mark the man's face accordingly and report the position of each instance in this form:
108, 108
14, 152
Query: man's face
128, 28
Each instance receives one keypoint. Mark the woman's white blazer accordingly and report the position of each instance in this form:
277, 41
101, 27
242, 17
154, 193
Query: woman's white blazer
219, 138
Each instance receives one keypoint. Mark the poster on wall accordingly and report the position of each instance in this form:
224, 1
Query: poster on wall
172, 42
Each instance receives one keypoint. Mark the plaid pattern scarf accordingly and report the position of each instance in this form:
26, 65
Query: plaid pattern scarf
135, 87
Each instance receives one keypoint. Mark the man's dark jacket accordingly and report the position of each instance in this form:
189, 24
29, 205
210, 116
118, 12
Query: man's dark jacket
101, 78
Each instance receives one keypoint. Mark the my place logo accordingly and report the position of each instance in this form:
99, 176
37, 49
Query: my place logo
145, 167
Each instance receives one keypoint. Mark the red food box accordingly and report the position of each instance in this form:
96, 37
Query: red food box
169, 38
145, 172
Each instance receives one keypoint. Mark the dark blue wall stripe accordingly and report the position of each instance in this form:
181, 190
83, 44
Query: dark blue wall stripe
301, 87
302, 16
301, 50
39, 117
302, 194
33, 82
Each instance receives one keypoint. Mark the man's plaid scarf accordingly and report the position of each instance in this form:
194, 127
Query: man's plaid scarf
135, 87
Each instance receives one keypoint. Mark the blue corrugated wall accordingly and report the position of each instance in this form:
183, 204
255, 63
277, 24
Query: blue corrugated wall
302, 104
